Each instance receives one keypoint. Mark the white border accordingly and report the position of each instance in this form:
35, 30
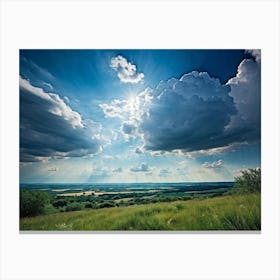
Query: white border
153, 24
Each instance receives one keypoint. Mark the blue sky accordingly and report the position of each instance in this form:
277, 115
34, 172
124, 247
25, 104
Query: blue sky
138, 115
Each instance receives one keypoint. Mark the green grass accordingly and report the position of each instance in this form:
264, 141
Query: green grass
236, 212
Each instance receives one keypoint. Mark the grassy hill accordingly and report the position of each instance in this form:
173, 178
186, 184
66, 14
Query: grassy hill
237, 212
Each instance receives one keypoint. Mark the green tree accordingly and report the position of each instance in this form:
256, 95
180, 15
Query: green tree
249, 181
32, 202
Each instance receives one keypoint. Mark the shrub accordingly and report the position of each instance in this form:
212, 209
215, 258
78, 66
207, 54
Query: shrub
32, 202
249, 181
75, 206
49, 209
59, 203
88, 205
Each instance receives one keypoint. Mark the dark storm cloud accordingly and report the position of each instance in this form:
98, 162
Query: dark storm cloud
50, 128
197, 112
189, 114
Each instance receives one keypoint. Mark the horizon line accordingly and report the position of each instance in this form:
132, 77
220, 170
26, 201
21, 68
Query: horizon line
75, 183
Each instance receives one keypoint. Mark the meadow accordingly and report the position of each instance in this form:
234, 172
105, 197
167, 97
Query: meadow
203, 206
235, 212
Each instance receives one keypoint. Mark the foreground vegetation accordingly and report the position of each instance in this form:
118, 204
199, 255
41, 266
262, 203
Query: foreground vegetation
235, 212
207, 207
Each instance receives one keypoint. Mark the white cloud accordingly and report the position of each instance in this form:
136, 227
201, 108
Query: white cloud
209, 152
246, 93
213, 165
126, 71
196, 114
216, 170
129, 111
116, 109
256, 53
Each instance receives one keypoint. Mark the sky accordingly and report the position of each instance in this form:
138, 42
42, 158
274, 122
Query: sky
116, 116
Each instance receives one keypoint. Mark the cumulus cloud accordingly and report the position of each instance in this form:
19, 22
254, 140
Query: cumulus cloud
129, 111
143, 167
216, 169
126, 71
246, 93
213, 165
189, 113
256, 53
196, 114
50, 128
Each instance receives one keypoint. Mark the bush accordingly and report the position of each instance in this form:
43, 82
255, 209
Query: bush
75, 206
59, 203
88, 205
32, 202
249, 181
49, 209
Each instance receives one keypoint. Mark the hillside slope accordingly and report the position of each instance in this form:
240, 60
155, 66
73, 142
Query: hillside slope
239, 212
